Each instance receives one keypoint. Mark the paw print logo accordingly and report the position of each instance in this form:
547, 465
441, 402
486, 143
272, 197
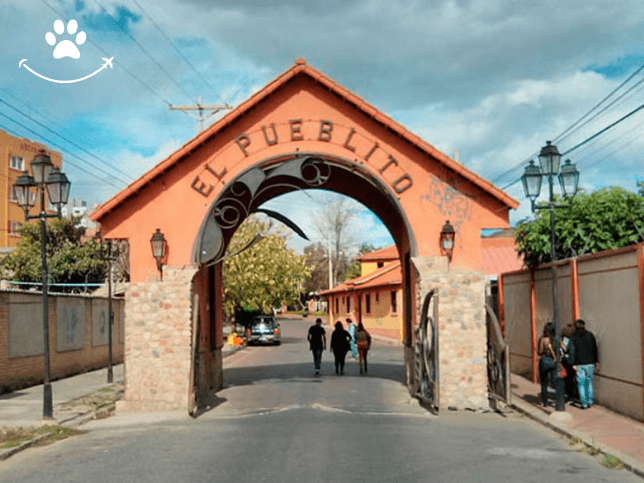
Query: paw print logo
66, 48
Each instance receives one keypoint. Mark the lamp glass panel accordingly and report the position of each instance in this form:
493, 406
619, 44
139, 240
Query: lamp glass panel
158, 245
41, 167
549, 158
448, 242
569, 182
22, 189
58, 187
531, 184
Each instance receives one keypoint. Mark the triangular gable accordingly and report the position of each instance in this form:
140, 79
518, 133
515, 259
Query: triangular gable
300, 68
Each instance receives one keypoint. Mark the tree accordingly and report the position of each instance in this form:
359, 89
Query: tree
605, 219
263, 275
316, 258
335, 227
355, 268
69, 258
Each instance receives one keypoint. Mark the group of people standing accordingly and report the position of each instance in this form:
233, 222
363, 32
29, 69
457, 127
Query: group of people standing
356, 339
579, 357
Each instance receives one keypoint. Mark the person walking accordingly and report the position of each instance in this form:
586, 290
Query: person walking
547, 361
317, 343
340, 344
584, 356
363, 342
352, 332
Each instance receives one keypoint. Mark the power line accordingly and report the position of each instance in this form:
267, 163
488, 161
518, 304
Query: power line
185, 59
144, 50
567, 130
70, 142
104, 52
59, 147
610, 126
600, 103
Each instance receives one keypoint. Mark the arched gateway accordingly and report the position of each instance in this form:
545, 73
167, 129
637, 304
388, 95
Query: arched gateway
302, 130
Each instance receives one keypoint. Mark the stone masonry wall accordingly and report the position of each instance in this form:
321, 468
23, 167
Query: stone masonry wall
461, 331
158, 324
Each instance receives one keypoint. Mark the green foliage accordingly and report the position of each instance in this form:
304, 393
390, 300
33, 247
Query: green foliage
612, 463
603, 220
263, 275
355, 268
69, 258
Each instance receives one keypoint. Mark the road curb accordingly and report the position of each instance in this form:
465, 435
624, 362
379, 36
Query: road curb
524, 407
7, 453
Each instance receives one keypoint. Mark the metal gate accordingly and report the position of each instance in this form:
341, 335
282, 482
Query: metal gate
426, 354
498, 360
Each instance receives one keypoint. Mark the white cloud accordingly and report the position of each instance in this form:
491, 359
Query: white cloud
492, 79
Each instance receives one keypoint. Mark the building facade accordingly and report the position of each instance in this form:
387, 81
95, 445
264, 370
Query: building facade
16, 155
375, 297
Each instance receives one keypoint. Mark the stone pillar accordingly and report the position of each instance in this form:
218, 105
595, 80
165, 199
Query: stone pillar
158, 321
462, 331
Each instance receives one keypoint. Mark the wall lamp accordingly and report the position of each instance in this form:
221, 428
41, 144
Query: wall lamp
159, 245
447, 239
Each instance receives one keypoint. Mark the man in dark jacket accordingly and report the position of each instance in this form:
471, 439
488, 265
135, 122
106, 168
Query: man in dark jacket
583, 360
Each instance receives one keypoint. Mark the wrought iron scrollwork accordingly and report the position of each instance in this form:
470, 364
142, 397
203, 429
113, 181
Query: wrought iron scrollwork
426, 354
236, 203
498, 359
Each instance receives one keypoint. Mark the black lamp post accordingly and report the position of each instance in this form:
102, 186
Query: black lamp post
48, 177
549, 158
159, 245
110, 254
447, 239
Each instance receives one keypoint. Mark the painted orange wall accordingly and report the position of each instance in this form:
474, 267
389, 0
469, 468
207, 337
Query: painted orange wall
174, 204
10, 211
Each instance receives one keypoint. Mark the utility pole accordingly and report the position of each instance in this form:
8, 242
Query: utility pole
200, 107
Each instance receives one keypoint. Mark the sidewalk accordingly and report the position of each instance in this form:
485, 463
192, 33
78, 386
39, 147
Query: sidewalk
24, 406
597, 427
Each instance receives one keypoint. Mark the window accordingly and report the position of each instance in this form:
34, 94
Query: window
14, 226
348, 304
377, 297
381, 264
337, 304
12, 194
367, 303
394, 305
16, 162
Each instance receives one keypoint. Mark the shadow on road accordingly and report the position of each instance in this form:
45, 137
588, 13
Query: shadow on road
304, 372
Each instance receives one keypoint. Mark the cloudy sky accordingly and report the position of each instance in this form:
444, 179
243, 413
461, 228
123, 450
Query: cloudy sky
493, 80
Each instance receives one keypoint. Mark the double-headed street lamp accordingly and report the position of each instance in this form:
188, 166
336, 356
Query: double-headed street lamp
48, 177
549, 158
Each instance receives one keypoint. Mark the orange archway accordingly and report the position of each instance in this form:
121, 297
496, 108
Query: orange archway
301, 131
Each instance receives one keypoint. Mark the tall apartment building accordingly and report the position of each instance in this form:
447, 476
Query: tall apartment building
15, 156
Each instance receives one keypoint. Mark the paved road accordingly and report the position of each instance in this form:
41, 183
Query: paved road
277, 422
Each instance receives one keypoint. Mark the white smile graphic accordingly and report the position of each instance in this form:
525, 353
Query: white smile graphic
67, 48
106, 63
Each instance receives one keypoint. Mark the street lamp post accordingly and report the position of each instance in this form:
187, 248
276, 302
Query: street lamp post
109, 254
549, 158
48, 177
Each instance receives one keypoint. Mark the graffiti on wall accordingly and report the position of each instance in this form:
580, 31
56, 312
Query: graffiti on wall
453, 204
99, 322
70, 327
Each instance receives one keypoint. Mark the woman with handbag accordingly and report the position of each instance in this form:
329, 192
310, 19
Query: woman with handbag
547, 362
